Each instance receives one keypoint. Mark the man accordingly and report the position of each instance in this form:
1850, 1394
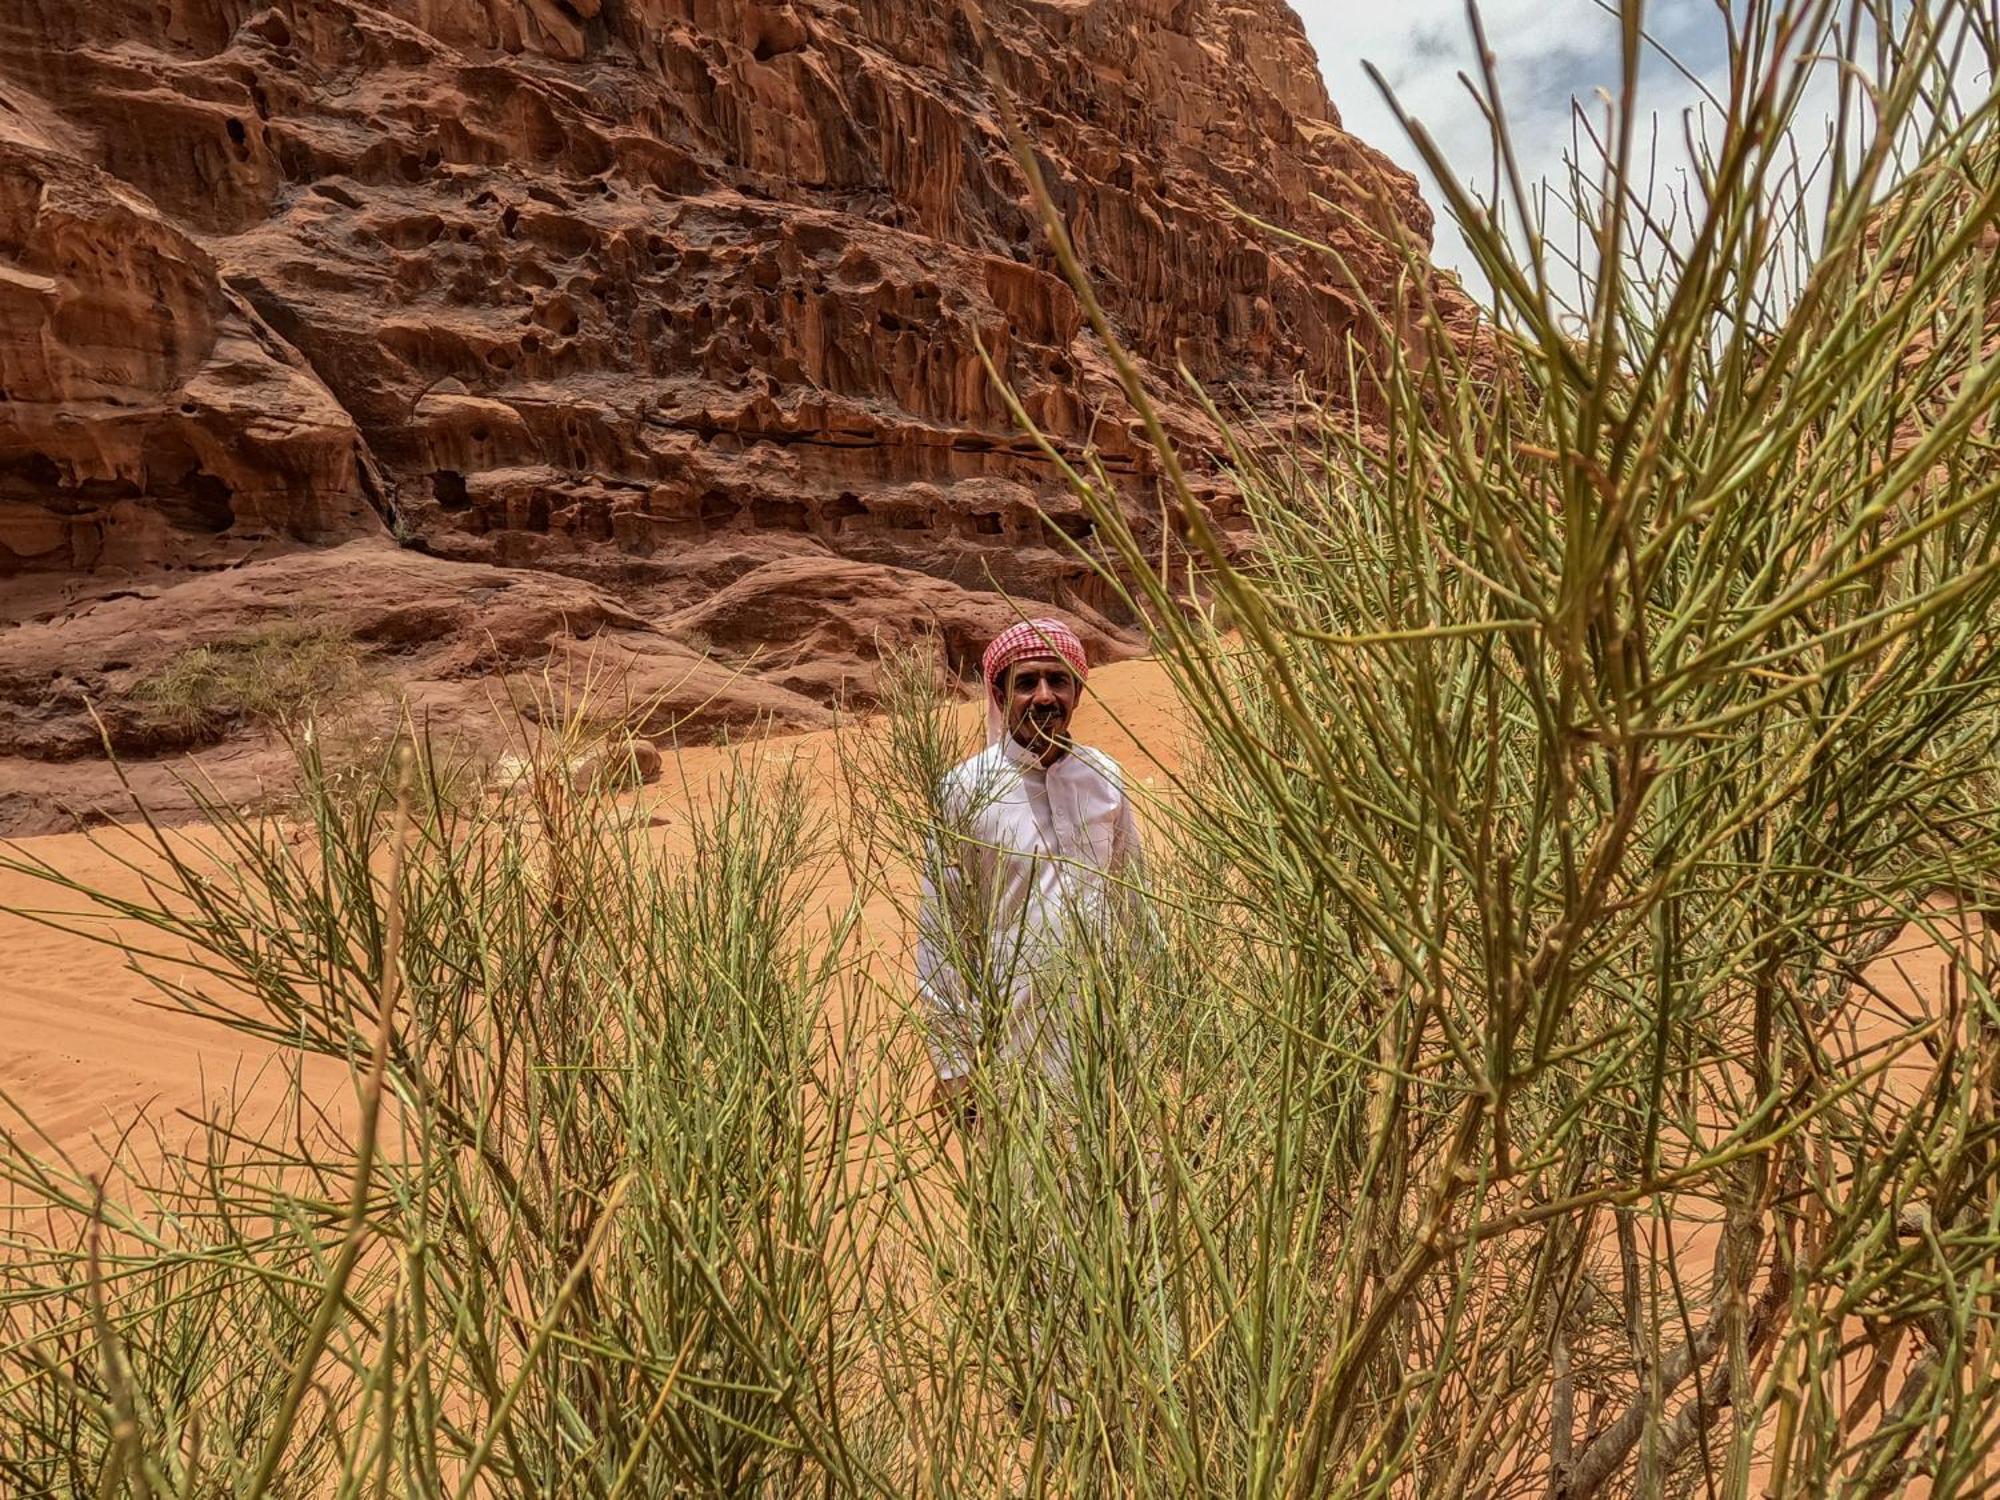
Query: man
1038, 861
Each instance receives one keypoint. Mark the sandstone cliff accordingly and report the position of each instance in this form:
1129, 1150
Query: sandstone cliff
676, 302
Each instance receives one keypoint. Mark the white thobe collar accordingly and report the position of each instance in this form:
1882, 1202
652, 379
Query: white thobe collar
1021, 756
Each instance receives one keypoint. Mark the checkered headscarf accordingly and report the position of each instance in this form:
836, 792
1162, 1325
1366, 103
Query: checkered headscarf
1031, 638
1018, 643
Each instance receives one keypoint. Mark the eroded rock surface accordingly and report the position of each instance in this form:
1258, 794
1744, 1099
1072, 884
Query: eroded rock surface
148, 416
683, 300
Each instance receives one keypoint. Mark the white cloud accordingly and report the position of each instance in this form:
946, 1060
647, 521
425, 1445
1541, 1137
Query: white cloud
1548, 54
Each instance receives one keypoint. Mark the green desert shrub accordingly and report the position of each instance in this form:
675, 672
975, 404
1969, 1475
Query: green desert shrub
571, 1237
1593, 722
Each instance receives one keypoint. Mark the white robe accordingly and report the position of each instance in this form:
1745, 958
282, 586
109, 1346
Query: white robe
1033, 863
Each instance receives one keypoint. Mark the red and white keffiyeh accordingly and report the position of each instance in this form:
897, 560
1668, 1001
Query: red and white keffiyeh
1019, 642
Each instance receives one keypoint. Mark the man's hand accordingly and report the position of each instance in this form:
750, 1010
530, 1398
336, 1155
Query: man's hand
952, 1098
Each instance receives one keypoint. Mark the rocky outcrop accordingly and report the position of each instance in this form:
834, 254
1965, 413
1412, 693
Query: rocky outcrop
466, 649
150, 416
685, 299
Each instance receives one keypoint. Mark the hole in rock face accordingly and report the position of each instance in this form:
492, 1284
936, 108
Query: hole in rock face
237, 134
859, 266
780, 32
987, 523
847, 506
448, 489
538, 512
336, 194
531, 343
38, 469
717, 509
212, 496
1076, 528
272, 28
203, 503
787, 515
510, 217
480, 434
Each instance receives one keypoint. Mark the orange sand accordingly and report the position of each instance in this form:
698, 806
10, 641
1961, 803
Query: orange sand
85, 1048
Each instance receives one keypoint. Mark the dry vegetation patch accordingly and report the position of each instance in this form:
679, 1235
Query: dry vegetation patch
275, 678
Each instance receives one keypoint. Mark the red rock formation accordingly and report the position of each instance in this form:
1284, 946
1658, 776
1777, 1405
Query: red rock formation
151, 417
681, 298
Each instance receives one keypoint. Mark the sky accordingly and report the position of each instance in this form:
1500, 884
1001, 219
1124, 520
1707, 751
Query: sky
1549, 52
1550, 55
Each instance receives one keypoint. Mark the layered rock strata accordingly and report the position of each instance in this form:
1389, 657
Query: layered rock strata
684, 300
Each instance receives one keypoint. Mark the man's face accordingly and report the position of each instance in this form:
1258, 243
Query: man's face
1040, 695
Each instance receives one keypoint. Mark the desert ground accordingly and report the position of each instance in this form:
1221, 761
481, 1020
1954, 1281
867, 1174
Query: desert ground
91, 1051
95, 1054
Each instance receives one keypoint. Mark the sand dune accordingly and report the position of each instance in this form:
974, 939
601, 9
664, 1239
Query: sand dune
87, 1046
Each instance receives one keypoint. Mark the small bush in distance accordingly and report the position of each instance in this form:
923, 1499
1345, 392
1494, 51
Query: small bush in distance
275, 678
